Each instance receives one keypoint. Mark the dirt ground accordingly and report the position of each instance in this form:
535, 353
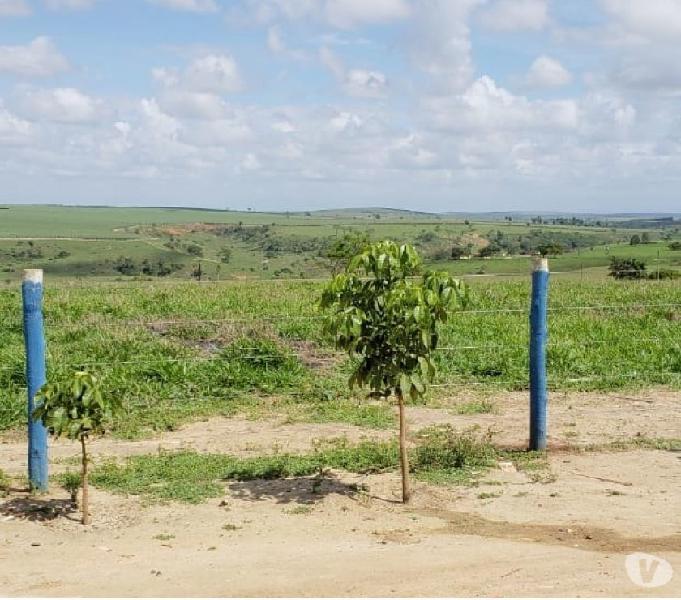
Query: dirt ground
568, 534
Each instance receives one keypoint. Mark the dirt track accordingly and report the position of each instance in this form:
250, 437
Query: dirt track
509, 536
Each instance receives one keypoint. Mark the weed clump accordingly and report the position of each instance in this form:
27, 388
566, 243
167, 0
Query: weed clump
443, 456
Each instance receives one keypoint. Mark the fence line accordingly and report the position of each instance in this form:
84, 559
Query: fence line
147, 284
445, 385
317, 354
246, 318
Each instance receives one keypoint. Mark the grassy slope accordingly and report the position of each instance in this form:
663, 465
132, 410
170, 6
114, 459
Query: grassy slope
115, 232
266, 352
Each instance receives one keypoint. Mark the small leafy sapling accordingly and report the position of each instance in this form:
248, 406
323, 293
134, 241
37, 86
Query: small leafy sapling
386, 316
76, 409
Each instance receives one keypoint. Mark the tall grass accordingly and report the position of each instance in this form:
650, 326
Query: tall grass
177, 352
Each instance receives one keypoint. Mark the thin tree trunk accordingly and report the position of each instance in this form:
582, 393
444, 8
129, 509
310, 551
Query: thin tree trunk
85, 504
404, 459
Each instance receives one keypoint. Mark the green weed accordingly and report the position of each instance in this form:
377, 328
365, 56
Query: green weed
5, 483
476, 407
442, 456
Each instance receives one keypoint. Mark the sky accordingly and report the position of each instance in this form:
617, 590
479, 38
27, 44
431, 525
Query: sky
437, 105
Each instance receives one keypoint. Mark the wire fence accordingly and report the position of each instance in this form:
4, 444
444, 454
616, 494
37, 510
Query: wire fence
149, 283
242, 318
255, 353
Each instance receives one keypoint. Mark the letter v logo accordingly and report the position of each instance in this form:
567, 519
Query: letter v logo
648, 571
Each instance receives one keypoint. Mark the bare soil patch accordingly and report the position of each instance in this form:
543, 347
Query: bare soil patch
564, 533
569, 537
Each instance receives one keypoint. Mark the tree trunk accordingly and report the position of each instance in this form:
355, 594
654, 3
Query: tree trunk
85, 507
404, 459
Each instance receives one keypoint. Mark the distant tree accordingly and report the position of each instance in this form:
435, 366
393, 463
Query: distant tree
457, 252
675, 246
663, 274
225, 254
197, 271
645, 238
343, 249
426, 237
489, 250
194, 249
551, 249
126, 266
389, 321
635, 240
627, 268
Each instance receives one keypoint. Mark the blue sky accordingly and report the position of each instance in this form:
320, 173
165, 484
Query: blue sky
461, 105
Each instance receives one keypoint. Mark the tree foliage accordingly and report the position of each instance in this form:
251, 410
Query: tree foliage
341, 250
627, 268
385, 314
388, 320
76, 409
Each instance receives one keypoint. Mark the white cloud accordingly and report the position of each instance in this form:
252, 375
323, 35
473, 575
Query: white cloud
347, 14
195, 92
649, 20
345, 121
547, 72
607, 116
166, 77
270, 11
70, 4
284, 126
341, 14
197, 6
484, 106
274, 41
360, 83
648, 70
251, 162
193, 105
365, 84
516, 15
62, 105
441, 44
13, 130
221, 132
39, 58
14, 8
214, 73
332, 62
277, 45
163, 125
409, 152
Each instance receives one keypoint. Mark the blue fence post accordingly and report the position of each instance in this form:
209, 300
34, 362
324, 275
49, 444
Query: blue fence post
34, 338
538, 338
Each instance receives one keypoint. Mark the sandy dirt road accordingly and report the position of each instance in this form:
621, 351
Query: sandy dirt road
568, 534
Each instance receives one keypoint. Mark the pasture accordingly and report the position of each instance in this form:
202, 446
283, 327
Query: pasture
114, 243
242, 453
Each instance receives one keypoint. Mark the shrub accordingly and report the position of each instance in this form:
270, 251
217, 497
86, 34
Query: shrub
627, 268
76, 408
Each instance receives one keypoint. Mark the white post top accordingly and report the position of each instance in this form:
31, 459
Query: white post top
540, 264
33, 275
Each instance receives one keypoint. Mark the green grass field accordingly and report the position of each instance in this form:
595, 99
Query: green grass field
180, 351
80, 242
175, 349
